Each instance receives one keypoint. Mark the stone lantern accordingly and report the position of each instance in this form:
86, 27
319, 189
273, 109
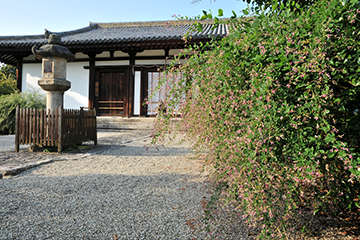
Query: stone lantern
53, 81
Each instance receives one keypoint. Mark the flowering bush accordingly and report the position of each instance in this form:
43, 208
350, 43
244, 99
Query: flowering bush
274, 109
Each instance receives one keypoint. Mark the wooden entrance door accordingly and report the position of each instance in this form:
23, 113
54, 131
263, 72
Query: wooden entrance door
112, 94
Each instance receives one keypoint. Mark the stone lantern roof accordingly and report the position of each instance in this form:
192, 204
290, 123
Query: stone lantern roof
53, 49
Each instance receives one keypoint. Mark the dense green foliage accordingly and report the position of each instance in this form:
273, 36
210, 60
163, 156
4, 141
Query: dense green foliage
8, 105
7, 79
265, 4
274, 109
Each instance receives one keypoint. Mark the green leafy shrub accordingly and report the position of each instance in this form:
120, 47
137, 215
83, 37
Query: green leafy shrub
7, 80
274, 109
8, 105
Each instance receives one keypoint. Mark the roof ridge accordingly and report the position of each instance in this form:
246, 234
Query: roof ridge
47, 33
76, 31
39, 36
148, 23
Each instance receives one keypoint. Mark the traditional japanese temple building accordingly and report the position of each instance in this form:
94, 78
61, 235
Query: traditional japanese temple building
115, 65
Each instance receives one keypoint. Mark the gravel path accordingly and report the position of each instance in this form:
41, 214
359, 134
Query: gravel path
7, 142
120, 192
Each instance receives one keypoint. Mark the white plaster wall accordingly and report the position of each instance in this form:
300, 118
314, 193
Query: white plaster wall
120, 54
137, 101
78, 95
32, 72
105, 54
173, 52
151, 62
158, 52
29, 58
75, 97
79, 55
111, 63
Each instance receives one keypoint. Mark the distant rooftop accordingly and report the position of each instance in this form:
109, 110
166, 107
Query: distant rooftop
125, 36
119, 32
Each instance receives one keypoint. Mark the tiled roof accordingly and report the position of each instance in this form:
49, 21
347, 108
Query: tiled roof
98, 37
119, 32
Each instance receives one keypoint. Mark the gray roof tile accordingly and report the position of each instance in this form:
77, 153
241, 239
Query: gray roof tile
119, 32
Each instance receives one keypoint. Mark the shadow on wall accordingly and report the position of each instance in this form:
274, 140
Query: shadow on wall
31, 83
74, 100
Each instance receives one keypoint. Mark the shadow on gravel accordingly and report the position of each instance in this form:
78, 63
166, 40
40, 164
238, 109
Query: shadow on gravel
98, 206
128, 150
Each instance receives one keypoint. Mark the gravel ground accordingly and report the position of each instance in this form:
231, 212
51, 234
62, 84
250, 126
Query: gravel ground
118, 190
7, 142
121, 191
10, 158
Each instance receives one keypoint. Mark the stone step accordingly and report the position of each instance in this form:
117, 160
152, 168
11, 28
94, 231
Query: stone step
125, 127
125, 123
134, 123
125, 120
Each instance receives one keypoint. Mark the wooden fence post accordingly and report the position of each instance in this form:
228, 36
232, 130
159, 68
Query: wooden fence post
48, 127
17, 130
81, 125
42, 123
60, 130
94, 127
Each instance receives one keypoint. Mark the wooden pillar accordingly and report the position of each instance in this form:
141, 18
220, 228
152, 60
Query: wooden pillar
130, 111
94, 127
92, 80
112, 53
19, 70
167, 50
143, 91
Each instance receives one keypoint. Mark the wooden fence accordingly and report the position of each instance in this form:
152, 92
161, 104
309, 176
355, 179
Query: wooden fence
54, 127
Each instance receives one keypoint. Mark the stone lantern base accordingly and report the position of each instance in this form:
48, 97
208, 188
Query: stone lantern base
55, 89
